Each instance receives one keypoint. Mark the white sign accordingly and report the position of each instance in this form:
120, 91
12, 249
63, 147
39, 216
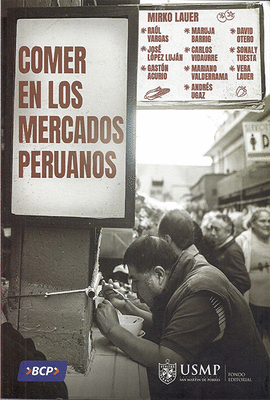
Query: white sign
69, 146
199, 56
257, 140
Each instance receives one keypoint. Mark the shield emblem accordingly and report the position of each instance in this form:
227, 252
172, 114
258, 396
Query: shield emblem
167, 372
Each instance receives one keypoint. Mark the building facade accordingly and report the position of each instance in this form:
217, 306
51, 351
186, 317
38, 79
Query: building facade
169, 182
205, 190
247, 181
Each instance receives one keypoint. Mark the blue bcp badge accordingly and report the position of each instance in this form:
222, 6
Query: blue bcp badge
42, 371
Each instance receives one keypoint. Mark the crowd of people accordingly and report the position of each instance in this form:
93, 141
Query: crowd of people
204, 294
228, 241
239, 245
192, 281
244, 258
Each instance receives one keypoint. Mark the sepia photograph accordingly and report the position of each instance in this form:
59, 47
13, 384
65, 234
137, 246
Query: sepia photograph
135, 199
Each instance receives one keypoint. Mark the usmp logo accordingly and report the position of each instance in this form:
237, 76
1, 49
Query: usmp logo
167, 372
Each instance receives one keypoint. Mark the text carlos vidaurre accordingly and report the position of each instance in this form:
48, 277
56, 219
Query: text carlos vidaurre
66, 129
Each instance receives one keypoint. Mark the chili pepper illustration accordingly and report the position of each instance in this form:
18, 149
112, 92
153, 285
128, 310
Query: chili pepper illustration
156, 93
241, 91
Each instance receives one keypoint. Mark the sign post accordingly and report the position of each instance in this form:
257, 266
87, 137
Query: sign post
257, 140
73, 120
69, 139
201, 56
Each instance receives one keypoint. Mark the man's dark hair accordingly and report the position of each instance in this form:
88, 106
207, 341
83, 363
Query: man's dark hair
178, 224
228, 221
147, 252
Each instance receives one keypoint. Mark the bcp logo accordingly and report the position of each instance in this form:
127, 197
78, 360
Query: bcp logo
42, 371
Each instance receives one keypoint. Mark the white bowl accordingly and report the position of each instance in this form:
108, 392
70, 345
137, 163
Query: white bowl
132, 323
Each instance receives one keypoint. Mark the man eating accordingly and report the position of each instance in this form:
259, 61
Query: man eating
197, 320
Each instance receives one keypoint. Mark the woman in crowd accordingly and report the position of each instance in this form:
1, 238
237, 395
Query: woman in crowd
255, 243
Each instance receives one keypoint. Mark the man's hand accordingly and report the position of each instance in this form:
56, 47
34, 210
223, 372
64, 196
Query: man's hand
106, 317
125, 305
118, 300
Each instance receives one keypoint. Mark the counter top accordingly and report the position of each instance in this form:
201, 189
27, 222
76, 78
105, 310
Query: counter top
111, 375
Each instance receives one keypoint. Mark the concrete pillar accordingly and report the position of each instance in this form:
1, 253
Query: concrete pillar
51, 259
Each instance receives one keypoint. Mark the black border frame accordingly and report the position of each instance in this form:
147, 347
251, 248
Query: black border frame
223, 104
131, 14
